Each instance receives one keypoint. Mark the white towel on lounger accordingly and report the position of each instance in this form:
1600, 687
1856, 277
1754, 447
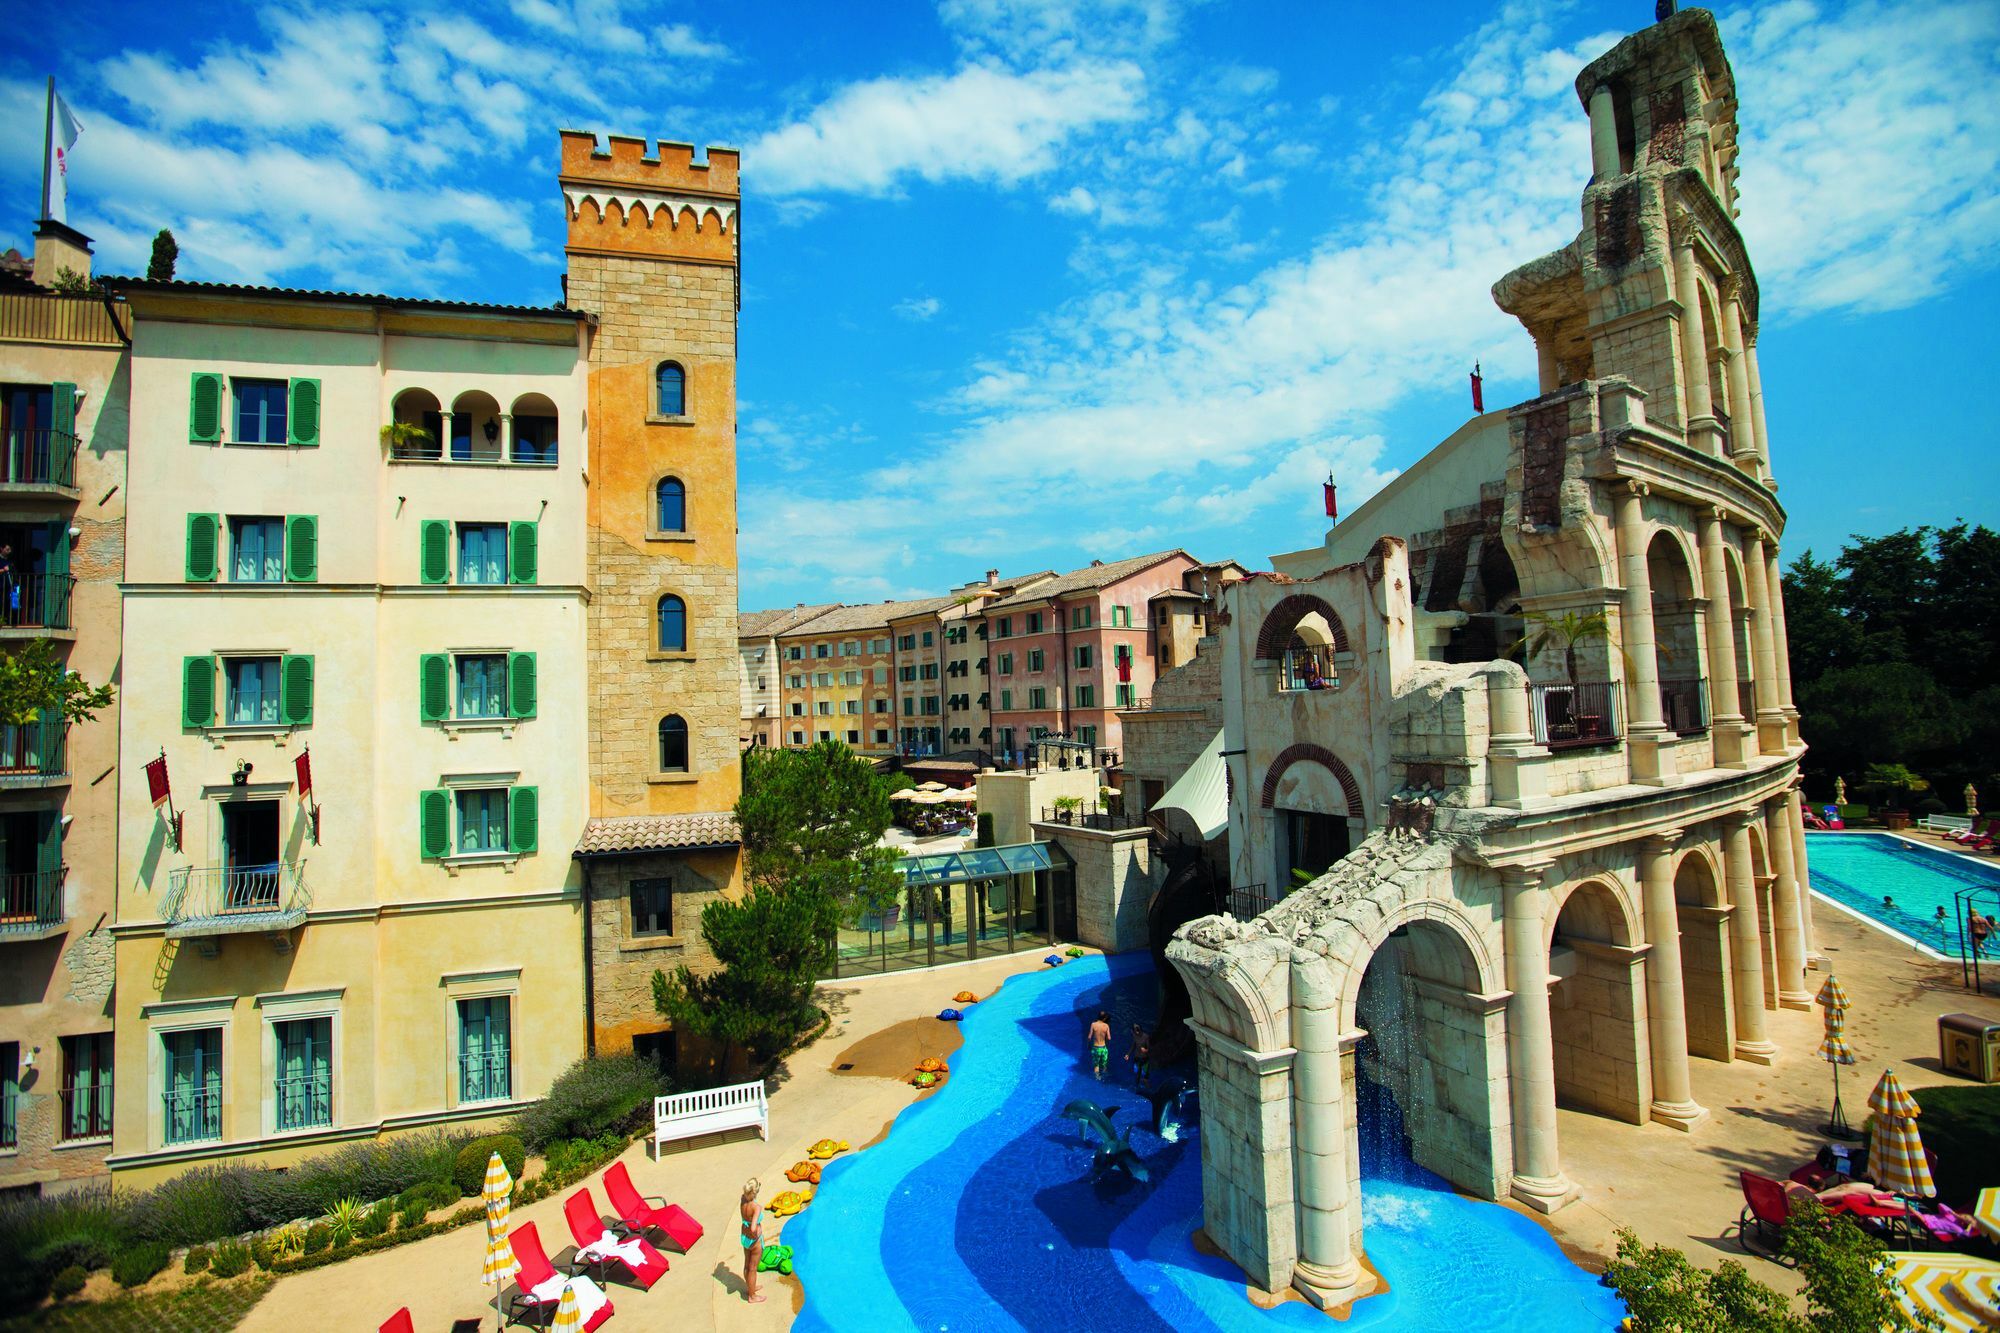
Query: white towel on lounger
609, 1246
590, 1297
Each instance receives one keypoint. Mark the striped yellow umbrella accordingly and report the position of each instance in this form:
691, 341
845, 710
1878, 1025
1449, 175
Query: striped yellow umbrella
497, 1194
1942, 1285
569, 1315
1986, 1213
1833, 1049
1896, 1150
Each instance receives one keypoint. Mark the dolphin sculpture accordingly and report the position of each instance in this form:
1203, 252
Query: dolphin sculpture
1175, 1106
1114, 1150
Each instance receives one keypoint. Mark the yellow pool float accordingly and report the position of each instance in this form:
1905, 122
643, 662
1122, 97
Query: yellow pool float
791, 1201
826, 1148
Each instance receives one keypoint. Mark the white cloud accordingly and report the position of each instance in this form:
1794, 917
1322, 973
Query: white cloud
1076, 201
983, 123
679, 39
918, 310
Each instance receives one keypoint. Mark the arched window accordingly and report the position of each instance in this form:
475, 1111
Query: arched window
673, 744
670, 506
673, 624
672, 381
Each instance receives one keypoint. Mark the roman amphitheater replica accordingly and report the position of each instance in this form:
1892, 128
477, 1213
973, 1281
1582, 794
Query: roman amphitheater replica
1518, 889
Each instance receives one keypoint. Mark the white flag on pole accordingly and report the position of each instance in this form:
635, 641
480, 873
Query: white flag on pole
63, 129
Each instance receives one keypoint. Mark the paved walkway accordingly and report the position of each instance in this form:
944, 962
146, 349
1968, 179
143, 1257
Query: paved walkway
439, 1278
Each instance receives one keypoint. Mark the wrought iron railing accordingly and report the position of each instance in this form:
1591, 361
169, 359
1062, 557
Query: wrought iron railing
1565, 716
191, 1115
38, 749
304, 1101
484, 1078
86, 1112
31, 902
44, 457
1092, 817
1249, 900
1684, 706
1308, 668
35, 601
220, 900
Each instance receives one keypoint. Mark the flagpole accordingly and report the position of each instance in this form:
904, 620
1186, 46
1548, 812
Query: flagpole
48, 143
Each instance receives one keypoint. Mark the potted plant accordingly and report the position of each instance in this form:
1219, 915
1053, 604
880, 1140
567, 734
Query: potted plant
405, 439
1066, 808
1899, 784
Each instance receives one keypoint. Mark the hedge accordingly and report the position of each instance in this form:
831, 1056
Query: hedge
470, 1172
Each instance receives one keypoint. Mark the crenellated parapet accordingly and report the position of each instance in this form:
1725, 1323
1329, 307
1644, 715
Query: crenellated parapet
621, 200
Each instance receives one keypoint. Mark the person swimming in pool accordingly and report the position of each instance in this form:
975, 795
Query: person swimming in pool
1100, 1045
1141, 1055
753, 1240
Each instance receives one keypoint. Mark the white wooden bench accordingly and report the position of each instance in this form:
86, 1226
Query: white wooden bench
687, 1115
1945, 823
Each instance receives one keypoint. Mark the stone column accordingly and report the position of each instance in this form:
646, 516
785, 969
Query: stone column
1743, 450
1699, 419
1604, 160
444, 435
1247, 1175
1646, 734
1757, 405
1511, 751
1327, 1273
1666, 1002
1746, 949
1725, 712
1787, 931
1531, 1053
1795, 800
1781, 648
1547, 373
507, 437
1771, 728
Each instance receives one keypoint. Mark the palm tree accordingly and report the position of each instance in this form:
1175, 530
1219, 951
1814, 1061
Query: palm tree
1564, 632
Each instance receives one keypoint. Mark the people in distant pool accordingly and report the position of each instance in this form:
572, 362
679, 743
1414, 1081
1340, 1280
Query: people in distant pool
1141, 1054
1100, 1045
1888, 903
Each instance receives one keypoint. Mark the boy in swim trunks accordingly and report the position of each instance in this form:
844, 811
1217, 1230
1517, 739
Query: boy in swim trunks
1141, 1055
1100, 1045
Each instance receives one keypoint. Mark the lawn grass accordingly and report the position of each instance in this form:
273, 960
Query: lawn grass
207, 1307
1961, 1125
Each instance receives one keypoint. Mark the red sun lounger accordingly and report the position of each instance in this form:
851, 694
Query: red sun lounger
601, 1249
639, 1213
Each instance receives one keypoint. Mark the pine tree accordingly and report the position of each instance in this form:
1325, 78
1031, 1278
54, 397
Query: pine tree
165, 252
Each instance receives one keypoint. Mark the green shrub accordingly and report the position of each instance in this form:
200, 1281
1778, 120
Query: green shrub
40, 1237
472, 1158
135, 1265
68, 1282
318, 1237
197, 1259
230, 1259
1931, 805
202, 1204
412, 1216
375, 1221
1850, 813
566, 1156
596, 1095
263, 1253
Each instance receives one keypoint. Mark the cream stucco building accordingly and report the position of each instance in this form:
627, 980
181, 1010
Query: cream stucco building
1521, 888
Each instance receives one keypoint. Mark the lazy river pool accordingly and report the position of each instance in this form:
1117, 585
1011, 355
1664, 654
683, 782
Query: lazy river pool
977, 1211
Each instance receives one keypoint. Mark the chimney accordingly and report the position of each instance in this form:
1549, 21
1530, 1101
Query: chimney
1095, 563
992, 577
59, 247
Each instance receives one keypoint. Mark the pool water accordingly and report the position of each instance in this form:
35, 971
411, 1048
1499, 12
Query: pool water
977, 1212
1857, 870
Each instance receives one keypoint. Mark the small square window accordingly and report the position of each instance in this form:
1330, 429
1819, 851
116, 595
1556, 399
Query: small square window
482, 820
257, 550
652, 907
482, 553
251, 691
260, 411
482, 685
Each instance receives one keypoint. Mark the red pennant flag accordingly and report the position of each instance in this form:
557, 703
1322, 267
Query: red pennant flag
1331, 508
1478, 397
305, 767
157, 783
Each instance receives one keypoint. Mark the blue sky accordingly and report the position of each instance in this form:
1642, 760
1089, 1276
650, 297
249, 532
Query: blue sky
1027, 282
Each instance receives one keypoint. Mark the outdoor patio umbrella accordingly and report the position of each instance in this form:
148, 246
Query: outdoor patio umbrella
569, 1315
1958, 1290
500, 1266
1895, 1149
1833, 1049
1986, 1213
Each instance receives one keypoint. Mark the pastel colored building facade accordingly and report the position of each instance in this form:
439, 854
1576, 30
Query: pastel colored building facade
1525, 888
63, 425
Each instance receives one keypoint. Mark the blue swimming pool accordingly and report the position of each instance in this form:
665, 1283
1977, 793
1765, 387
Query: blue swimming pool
976, 1213
1858, 870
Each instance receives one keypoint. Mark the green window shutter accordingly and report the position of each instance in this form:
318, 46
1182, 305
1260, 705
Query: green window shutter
434, 547
522, 686
302, 420
296, 689
49, 855
64, 419
197, 691
301, 548
204, 543
434, 823
524, 807
434, 687
523, 552
205, 408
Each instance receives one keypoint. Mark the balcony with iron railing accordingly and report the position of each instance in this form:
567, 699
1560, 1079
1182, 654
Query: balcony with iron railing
303, 1101
1572, 716
1308, 668
38, 460
33, 752
1684, 706
31, 905
207, 901
35, 602
191, 1115
1102, 818
485, 1078
86, 1113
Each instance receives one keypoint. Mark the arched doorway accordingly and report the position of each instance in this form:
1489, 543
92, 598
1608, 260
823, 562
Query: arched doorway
417, 408
1711, 1029
475, 428
1316, 813
1676, 642
1423, 1091
1597, 1007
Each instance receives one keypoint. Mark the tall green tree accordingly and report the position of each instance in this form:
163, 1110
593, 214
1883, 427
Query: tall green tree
160, 268
801, 808
772, 944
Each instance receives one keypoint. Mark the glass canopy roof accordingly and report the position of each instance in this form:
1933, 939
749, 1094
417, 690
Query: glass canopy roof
974, 863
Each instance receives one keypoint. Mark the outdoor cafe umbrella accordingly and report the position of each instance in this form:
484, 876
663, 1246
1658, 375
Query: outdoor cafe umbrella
500, 1264
569, 1314
1959, 1291
1895, 1149
1833, 1049
1986, 1212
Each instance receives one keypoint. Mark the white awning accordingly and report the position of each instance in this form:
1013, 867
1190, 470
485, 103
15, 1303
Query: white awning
1202, 792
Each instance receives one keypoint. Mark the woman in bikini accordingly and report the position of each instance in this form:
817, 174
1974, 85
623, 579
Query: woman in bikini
753, 1240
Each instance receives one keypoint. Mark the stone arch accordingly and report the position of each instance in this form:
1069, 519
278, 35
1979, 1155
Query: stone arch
1226, 998
1325, 758
1276, 634
1488, 974
1597, 1008
1704, 955
1677, 633
1609, 912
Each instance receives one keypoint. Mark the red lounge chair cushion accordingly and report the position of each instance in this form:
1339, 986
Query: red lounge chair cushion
671, 1218
529, 1254
678, 1224
587, 1228
399, 1322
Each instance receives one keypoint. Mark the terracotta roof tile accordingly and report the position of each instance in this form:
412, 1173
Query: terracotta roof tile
1090, 576
658, 833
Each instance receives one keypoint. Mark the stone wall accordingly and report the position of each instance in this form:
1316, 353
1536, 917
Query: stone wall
1599, 1020
1115, 882
622, 965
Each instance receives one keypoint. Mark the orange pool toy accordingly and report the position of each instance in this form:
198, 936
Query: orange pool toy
805, 1173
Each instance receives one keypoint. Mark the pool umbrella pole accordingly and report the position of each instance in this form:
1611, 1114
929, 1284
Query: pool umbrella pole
1833, 1048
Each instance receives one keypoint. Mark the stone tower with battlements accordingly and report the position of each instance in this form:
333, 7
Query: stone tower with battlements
652, 252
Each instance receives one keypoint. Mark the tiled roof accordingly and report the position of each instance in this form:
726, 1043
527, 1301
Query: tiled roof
1090, 576
867, 615
764, 624
658, 833
552, 311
